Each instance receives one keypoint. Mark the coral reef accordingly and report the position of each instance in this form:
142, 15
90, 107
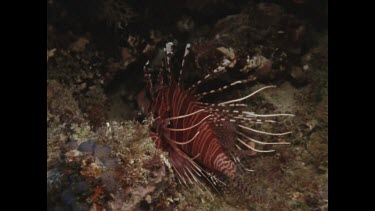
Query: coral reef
115, 168
116, 13
99, 153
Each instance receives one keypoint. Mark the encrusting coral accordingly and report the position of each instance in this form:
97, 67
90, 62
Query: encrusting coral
99, 158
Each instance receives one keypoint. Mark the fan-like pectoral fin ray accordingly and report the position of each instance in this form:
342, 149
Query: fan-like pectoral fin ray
263, 132
260, 142
243, 98
188, 128
184, 116
254, 115
252, 148
183, 143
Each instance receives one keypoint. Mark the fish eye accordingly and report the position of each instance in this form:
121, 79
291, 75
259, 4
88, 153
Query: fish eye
168, 124
141, 118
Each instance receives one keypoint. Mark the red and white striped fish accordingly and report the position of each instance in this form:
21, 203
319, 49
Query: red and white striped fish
192, 131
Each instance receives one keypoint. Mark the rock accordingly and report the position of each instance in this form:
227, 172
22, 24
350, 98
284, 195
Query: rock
87, 147
228, 52
71, 145
110, 163
297, 33
296, 72
68, 197
268, 14
299, 75
102, 152
72, 156
265, 70
50, 53
185, 24
80, 44
81, 186
109, 179
126, 57
148, 199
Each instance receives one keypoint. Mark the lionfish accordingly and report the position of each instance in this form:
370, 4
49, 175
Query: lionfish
199, 136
